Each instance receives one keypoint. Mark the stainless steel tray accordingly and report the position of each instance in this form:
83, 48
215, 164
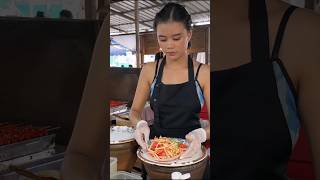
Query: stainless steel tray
26, 147
52, 163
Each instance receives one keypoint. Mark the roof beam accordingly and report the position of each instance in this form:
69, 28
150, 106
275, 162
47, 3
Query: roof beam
115, 1
127, 17
118, 29
142, 9
145, 8
202, 12
157, 3
117, 8
153, 6
131, 23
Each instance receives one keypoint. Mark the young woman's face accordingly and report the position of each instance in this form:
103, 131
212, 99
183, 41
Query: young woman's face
173, 39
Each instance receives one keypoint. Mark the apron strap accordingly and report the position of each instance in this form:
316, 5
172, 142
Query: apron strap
156, 71
196, 78
190, 69
259, 30
159, 75
281, 30
156, 92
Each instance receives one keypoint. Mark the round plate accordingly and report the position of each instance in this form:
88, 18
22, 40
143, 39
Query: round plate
121, 134
183, 141
199, 156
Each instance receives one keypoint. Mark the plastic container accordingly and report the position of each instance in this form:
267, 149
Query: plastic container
113, 166
125, 175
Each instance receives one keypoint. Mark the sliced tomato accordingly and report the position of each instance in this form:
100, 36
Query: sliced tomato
153, 145
160, 152
182, 145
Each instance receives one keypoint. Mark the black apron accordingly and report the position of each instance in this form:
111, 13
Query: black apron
250, 135
176, 106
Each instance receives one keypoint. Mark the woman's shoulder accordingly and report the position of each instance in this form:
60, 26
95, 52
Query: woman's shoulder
150, 66
148, 70
308, 39
304, 28
204, 67
203, 74
306, 21
301, 44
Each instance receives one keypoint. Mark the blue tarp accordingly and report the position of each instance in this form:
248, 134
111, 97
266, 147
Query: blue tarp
117, 49
117, 52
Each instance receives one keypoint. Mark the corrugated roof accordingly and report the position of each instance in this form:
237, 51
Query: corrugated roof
122, 13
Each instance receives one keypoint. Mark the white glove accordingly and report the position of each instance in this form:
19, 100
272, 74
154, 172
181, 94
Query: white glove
141, 134
178, 175
195, 138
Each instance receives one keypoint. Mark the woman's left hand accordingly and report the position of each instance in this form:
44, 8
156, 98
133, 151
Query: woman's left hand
195, 138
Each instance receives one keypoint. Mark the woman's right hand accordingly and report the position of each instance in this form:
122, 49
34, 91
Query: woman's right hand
141, 134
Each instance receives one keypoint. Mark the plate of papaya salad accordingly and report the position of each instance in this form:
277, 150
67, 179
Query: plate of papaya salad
166, 152
166, 149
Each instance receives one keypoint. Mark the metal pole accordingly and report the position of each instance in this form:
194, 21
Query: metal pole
102, 9
208, 47
90, 9
136, 13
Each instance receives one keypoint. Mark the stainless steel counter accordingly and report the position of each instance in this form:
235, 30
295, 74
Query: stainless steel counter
53, 162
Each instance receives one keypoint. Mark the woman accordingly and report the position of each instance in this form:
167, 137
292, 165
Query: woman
260, 98
177, 85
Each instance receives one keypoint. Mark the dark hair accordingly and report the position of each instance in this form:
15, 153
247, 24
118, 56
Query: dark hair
173, 12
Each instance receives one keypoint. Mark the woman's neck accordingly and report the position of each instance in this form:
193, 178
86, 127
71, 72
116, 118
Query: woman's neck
182, 62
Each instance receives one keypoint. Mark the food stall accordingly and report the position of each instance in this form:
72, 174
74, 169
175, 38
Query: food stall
161, 161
